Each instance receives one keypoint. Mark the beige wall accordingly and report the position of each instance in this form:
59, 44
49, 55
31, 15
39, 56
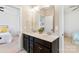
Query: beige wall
56, 18
26, 19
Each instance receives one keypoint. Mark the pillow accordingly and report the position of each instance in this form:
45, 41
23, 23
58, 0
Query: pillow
3, 28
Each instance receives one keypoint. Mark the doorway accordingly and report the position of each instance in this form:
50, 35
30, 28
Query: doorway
10, 17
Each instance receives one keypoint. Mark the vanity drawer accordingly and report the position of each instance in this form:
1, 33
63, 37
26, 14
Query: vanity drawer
42, 42
40, 49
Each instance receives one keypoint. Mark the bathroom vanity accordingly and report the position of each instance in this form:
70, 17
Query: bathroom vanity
40, 43
39, 31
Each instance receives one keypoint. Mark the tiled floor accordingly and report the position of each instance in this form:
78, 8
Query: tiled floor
70, 47
10, 47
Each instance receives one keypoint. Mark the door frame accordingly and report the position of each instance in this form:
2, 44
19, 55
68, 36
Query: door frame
20, 24
61, 28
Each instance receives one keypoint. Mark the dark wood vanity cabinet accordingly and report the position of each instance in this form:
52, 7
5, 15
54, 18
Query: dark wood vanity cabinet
36, 45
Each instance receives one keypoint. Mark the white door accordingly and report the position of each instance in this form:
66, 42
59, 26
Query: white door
61, 28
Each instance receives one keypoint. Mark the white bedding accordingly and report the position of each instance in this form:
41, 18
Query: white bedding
5, 37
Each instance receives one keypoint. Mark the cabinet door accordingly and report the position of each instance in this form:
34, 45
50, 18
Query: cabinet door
55, 46
26, 42
40, 49
31, 44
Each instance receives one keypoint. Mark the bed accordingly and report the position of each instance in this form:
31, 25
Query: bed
5, 35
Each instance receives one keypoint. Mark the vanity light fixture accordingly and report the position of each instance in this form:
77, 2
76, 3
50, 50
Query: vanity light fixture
37, 8
34, 9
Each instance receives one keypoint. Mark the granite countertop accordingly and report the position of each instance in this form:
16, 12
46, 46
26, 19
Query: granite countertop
45, 37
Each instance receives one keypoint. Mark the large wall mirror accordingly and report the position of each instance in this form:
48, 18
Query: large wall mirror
43, 19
